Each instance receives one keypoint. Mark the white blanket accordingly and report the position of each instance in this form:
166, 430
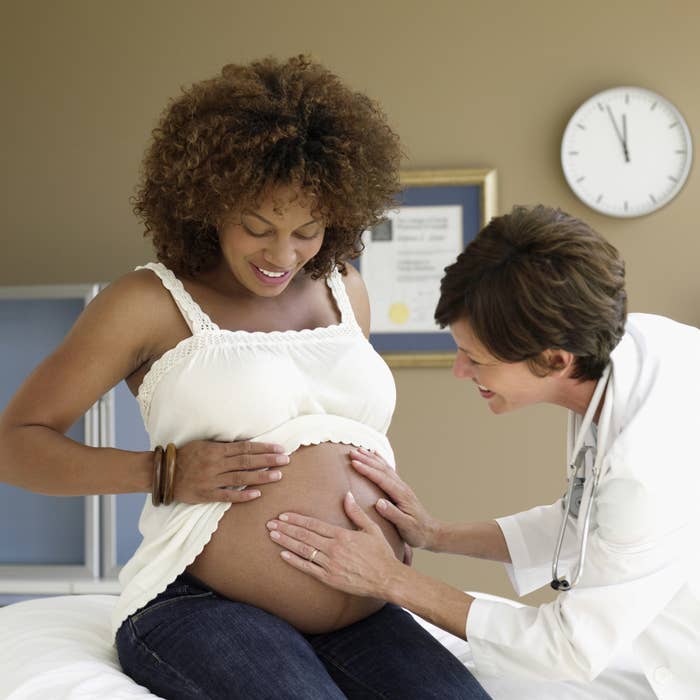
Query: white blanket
61, 648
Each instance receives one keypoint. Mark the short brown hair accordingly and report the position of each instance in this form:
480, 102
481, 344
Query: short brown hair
221, 145
537, 279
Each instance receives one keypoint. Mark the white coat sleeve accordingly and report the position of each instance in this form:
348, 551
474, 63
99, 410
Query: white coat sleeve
632, 572
531, 537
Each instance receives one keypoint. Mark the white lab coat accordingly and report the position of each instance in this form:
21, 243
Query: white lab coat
640, 589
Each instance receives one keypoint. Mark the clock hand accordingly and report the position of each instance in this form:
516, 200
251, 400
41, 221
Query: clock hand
624, 138
617, 131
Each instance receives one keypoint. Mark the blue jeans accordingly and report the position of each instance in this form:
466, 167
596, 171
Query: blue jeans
189, 642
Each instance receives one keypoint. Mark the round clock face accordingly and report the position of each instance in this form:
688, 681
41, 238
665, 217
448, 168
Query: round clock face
626, 152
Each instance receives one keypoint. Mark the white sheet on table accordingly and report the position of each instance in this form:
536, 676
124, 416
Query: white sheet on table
60, 648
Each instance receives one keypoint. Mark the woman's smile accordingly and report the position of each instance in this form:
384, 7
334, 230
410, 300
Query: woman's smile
269, 276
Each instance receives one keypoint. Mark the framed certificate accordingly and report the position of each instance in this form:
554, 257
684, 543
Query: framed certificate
404, 258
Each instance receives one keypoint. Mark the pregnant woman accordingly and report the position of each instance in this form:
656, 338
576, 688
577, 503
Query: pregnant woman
246, 347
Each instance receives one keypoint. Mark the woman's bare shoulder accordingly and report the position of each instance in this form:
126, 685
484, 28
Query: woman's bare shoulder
359, 299
136, 308
138, 283
136, 296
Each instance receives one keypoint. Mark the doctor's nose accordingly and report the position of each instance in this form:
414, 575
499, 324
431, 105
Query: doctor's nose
462, 367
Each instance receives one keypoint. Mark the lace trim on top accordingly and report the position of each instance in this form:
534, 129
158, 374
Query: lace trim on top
208, 334
196, 319
340, 294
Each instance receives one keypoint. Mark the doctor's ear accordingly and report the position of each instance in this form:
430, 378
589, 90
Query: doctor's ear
558, 361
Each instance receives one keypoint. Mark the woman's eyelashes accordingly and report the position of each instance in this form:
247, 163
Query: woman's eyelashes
256, 234
308, 236
269, 232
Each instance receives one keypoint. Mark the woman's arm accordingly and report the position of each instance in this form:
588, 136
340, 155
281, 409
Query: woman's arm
107, 343
114, 336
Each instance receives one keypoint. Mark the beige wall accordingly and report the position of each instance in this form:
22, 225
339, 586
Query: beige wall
466, 84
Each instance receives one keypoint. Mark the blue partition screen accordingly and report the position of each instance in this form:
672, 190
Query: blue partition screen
37, 529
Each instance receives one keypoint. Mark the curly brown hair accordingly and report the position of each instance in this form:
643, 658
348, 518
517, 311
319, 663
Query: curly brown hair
225, 141
534, 279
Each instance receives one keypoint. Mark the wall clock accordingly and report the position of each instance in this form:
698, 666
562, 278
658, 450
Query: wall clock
626, 152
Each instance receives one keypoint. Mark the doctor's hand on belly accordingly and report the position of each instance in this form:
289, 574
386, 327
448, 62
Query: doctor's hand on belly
415, 525
207, 471
358, 561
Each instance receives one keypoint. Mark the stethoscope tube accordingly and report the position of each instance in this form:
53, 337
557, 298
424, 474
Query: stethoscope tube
576, 463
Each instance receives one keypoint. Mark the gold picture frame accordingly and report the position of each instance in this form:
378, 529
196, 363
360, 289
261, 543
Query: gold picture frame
475, 191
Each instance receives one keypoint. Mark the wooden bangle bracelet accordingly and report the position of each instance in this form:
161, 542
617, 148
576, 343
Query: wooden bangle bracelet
169, 481
156, 492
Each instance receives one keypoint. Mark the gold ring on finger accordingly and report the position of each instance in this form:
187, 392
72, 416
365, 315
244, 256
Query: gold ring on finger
313, 555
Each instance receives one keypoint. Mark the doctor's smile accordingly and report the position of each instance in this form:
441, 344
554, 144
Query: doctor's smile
486, 393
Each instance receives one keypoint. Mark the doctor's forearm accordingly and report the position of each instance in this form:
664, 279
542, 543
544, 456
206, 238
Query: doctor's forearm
435, 601
483, 540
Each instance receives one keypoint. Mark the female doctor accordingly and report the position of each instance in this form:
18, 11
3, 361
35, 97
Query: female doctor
537, 307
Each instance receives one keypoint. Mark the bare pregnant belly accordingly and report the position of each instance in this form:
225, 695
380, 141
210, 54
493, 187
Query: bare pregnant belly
241, 562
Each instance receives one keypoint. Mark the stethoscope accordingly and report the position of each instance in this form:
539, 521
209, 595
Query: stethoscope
578, 456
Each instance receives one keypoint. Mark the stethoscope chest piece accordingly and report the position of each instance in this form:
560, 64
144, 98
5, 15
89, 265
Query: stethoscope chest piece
577, 496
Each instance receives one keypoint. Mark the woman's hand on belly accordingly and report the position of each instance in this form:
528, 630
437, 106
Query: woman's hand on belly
359, 561
207, 471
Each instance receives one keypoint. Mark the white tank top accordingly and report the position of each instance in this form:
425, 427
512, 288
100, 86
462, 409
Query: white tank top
290, 387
